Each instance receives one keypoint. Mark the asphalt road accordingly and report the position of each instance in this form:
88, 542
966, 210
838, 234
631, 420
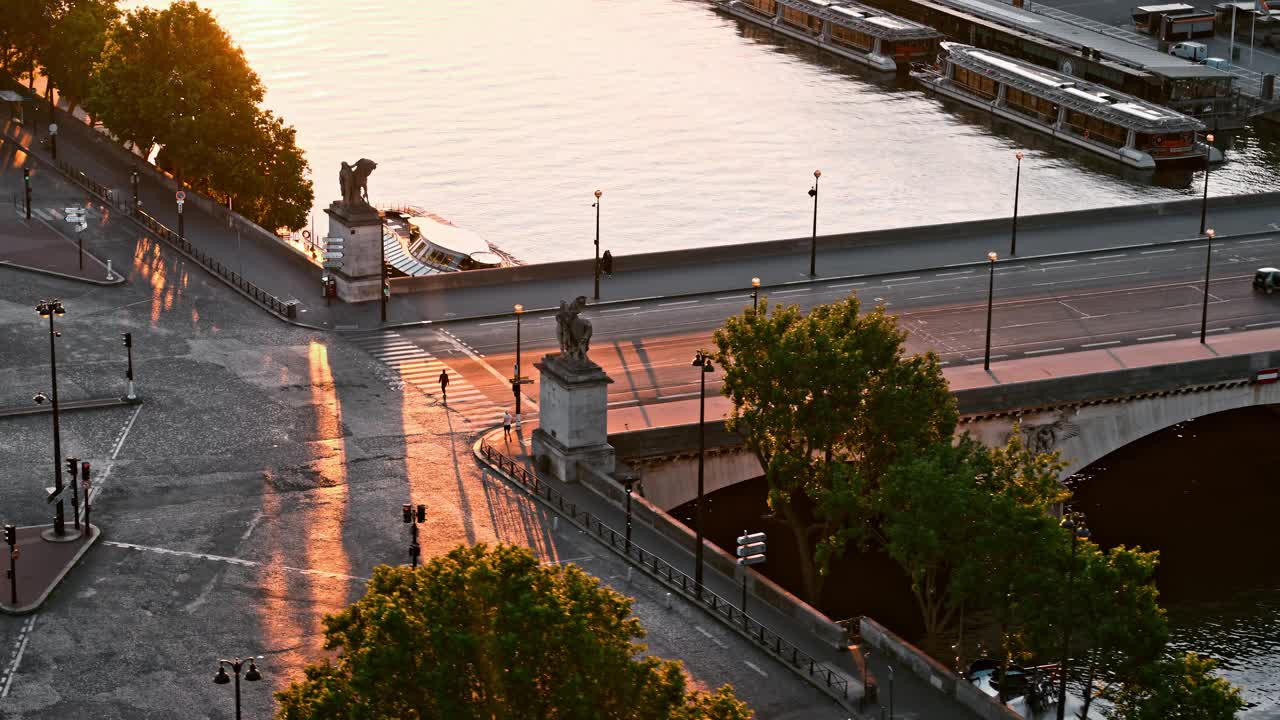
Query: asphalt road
1040, 307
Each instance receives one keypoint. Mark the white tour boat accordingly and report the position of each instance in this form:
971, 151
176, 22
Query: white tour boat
417, 242
869, 36
1122, 127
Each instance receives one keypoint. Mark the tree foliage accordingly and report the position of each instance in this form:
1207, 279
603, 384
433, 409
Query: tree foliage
1182, 687
491, 633
828, 401
75, 46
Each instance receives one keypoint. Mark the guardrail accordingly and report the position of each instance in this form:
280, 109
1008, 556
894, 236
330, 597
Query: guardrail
821, 674
163, 232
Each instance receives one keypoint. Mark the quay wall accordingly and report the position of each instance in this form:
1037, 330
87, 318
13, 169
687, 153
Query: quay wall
693, 257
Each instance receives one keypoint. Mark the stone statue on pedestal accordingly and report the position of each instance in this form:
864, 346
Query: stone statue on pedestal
354, 182
573, 332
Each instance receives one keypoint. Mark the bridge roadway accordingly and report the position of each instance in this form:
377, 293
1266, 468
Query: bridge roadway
1041, 307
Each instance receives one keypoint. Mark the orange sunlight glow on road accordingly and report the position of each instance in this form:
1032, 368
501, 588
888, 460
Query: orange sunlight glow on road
149, 265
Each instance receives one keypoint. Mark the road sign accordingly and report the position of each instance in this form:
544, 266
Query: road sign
306, 234
54, 492
333, 244
334, 264
332, 255
180, 196
72, 210
751, 548
1267, 376
53, 128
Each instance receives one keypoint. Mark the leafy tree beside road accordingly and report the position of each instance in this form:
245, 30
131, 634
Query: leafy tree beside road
490, 633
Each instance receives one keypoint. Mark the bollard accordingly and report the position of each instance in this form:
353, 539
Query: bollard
629, 569
555, 523
668, 601
110, 275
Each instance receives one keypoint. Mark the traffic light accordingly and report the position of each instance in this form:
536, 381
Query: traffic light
422, 513
408, 512
128, 339
386, 290
84, 470
26, 183
606, 263
73, 464
11, 535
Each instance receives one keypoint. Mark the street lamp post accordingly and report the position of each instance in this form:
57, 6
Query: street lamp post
51, 309
596, 205
629, 481
414, 519
251, 675
755, 293
991, 289
1204, 202
1078, 532
515, 381
384, 292
1208, 262
182, 227
813, 241
700, 360
891, 690
1017, 186
133, 184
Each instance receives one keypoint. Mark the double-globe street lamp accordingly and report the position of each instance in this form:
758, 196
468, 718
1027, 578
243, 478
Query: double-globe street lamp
813, 241
515, 379
596, 205
251, 675
755, 293
1078, 532
1017, 186
1208, 262
991, 289
700, 360
1204, 202
51, 309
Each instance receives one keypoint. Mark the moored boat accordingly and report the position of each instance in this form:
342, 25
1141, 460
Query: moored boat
417, 242
1119, 126
858, 32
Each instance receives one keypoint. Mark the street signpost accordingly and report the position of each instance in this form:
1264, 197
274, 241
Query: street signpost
751, 549
75, 216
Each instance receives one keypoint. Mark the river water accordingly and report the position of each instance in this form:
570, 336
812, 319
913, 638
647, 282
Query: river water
506, 115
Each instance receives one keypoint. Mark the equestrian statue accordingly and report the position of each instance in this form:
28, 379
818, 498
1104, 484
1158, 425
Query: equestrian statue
354, 181
573, 332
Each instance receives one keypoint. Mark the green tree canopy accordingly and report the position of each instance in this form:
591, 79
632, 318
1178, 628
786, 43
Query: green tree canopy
76, 44
490, 633
1182, 687
828, 401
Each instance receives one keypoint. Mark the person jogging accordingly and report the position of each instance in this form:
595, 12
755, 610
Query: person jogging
506, 424
444, 386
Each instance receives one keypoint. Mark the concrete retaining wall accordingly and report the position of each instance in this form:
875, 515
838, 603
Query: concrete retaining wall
934, 672
761, 588
1117, 383
577, 269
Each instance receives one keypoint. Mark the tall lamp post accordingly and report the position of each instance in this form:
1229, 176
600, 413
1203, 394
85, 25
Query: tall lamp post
596, 205
813, 241
1078, 532
51, 309
629, 480
1017, 186
700, 360
384, 292
251, 675
515, 381
1204, 202
1208, 261
991, 289
755, 293
414, 519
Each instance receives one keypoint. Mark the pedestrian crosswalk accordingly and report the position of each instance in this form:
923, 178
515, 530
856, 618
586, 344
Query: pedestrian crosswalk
411, 365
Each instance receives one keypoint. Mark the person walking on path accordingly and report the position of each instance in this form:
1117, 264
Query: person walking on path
506, 425
444, 386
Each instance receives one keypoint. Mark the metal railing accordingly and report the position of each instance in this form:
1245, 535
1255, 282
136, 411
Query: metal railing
161, 231
823, 675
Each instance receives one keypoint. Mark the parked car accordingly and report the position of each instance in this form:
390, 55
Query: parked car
1267, 280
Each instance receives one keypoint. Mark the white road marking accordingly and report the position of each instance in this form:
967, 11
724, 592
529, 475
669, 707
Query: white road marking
17, 656
1157, 337
1057, 262
678, 302
709, 636
111, 463
1246, 242
1047, 350
1152, 252
729, 297
1100, 344
784, 292
625, 309
961, 272
229, 560
845, 285
753, 667
1260, 324
1210, 330
569, 560
498, 322
1108, 257
894, 280
1101, 277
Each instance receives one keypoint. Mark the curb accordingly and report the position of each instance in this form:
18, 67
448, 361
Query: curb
90, 404
54, 273
849, 704
32, 607
814, 281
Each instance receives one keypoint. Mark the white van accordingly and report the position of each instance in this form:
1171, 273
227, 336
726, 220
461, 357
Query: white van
1219, 63
1193, 51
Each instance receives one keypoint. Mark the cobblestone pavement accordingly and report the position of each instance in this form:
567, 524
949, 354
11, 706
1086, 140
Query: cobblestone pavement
252, 492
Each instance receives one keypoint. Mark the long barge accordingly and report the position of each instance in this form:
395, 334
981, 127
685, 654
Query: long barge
849, 29
1119, 126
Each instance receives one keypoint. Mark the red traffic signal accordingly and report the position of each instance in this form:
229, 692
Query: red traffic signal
407, 509
84, 470
422, 513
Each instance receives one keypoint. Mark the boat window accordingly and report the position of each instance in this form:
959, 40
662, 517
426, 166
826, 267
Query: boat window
1033, 105
766, 7
975, 83
852, 38
1097, 129
802, 19
908, 49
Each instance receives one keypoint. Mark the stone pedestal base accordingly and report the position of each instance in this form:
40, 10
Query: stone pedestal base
573, 416
360, 277
356, 289
562, 461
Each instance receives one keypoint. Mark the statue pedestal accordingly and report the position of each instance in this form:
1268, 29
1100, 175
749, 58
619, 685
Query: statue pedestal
360, 277
573, 417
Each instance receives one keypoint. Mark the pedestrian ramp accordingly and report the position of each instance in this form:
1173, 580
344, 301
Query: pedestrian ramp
411, 365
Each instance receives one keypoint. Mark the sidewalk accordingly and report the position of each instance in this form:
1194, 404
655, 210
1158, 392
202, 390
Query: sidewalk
913, 698
41, 564
37, 246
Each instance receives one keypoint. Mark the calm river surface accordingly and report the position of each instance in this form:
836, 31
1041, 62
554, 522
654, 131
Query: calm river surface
505, 115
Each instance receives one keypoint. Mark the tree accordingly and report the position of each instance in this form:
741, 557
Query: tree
76, 44
492, 633
273, 189
828, 401
1176, 688
26, 32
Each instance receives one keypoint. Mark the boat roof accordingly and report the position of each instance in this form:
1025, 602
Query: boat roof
442, 234
1163, 8
857, 16
1099, 101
